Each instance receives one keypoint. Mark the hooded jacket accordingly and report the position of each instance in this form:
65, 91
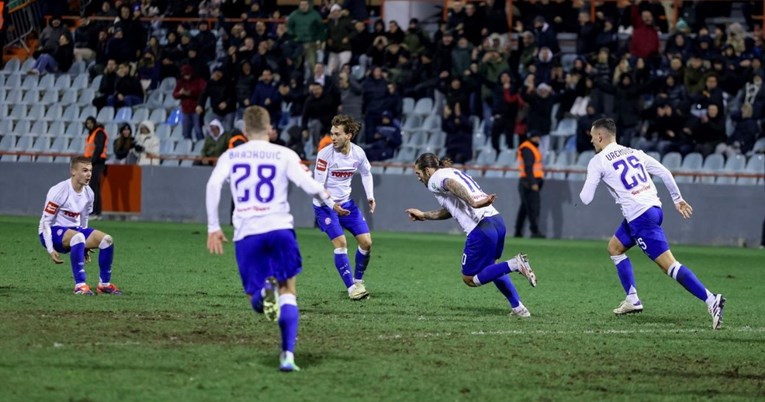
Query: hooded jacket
150, 144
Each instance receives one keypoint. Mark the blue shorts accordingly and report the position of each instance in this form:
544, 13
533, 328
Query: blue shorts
484, 245
268, 254
646, 232
57, 235
332, 224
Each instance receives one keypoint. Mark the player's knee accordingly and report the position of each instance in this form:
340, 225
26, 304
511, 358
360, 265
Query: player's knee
468, 281
365, 244
614, 249
106, 242
78, 238
339, 242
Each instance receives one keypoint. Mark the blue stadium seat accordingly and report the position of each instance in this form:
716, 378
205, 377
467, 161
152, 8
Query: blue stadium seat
88, 111
734, 164
155, 100
691, 163
29, 82
140, 115
123, 114
423, 107
56, 129
11, 66
408, 106
31, 97
105, 115
50, 97
63, 82
46, 82
75, 129
80, 82
712, 164
158, 115
167, 85
96, 83
12, 81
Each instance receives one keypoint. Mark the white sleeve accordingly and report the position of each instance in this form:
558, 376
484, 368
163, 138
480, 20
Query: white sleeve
594, 175
85, 214
654, 167
297, 173
212, 195
152, 145
53, 201
320, 169
365, 169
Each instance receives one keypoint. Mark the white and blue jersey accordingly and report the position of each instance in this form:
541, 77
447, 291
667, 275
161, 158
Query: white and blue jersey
485, 228
64, 209
335, 170
626, 172
259, 174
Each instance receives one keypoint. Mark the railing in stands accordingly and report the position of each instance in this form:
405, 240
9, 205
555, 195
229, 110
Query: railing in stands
482, 168
23, 20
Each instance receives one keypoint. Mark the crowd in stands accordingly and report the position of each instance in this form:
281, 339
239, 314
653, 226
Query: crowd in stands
684, 87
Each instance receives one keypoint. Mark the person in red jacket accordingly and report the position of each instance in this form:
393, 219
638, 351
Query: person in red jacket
645, 36
187, 89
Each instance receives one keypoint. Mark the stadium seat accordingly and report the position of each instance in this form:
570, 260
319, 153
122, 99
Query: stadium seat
166, 147
162, 131
78, 67
415, 140
27, 65
171, 103
50, 97
77, 145
75, 129
505, 159
112, 129
11, 66
63, 83
31, 97
123, 114
47, 81
12, 81
96, 83
175, 117
59, 144
567, 61
88, 111
54, 112
34, 113
69, 97
106, 114
423, 107
691, 163
167, 85
155, 100
158, 115
177, 132
80, 82
56, 129
13, 97
71, 113
39, 127
6, 126
411, 124
140, 115
86, 97
734, 164
712, 164
184, 147
759, 145
29, 83
756, 165
408, 106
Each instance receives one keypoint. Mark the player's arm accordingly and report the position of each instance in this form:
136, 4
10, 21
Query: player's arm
591, 182
52, 204
215, 236
459, 190
298, 174
435, 215
655, 168
365, 169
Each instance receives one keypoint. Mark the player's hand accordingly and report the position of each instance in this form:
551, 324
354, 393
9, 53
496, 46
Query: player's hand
372, 205
55, 257
484, 202
215, 242
340, 210
685, 209
415, 214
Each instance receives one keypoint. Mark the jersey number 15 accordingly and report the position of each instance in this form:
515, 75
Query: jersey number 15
630, 179
264, 189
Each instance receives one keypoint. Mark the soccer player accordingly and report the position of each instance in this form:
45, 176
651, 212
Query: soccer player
335, 167
264, 239
64, 228
460, 197
626, 173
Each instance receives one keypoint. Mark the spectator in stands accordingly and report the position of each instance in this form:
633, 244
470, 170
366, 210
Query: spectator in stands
544, 66
461, 57
707, 130
327, 82
207, 41
339, 30
273, 137
216, 142
58, 61
626, 106
586, 36
220, 92
266, 95
50, 36
443, 56
304, 24
392, 102
199, 66
187, 90
665, 133
506, 102
317, 113
674, 92
459, 135
351, 93
678, 44
127, 90
244, 86
119, 48
745, 131
357, 9
96, 149
711, 94
148, 71
583, 126
545, 35
694, 75
424, 78
645, 36
294, 93
360, 41
415, 39
456, 19
147, 144
491, 66
386, 140
541, 100
123, 144
374, 87
86, 40
475, 26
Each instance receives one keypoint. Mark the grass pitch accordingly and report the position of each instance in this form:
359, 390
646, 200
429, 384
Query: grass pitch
184, 331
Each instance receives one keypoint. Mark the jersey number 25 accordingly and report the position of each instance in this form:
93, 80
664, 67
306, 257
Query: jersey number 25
630, 179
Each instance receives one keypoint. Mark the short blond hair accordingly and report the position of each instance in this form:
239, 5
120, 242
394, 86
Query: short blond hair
256, 120
350, 126
79, 160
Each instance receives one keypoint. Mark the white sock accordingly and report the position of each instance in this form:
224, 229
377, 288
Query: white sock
80, 284
104, 283
710, 298
632, 297
476, 281
362, 251
288, 355
514, 266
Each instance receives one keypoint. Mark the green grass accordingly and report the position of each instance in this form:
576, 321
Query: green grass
184, 331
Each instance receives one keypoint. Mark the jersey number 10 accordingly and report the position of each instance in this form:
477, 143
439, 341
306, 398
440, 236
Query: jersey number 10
264, 189
629, 179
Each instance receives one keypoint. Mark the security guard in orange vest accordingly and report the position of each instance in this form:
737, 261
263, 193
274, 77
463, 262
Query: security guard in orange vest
96, 149
237, 139
532, 178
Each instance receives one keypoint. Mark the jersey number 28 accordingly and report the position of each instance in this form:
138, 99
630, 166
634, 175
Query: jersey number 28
264, 188
631, 180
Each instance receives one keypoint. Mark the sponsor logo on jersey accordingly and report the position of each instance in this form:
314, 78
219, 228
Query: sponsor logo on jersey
51, 208
343, 174
321, 165
70, 214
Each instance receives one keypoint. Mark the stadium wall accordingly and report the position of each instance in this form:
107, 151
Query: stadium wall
723, 214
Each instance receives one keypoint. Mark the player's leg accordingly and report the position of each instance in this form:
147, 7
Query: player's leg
254, 265
504, 284
357, 225
328, 222
287, 264
97, 239
620, 242
72, 241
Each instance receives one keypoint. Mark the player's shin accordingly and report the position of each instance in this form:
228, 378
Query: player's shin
362, 260
77, 257
626, 276
288, 321
505, 285
105, 258
687, 278
343, 265
492, 273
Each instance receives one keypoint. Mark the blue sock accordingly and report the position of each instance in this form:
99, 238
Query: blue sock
77, 257
685, 277
493, 272
343, 266
362, 260
288, 321
505, 285
105, 258
626, 275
